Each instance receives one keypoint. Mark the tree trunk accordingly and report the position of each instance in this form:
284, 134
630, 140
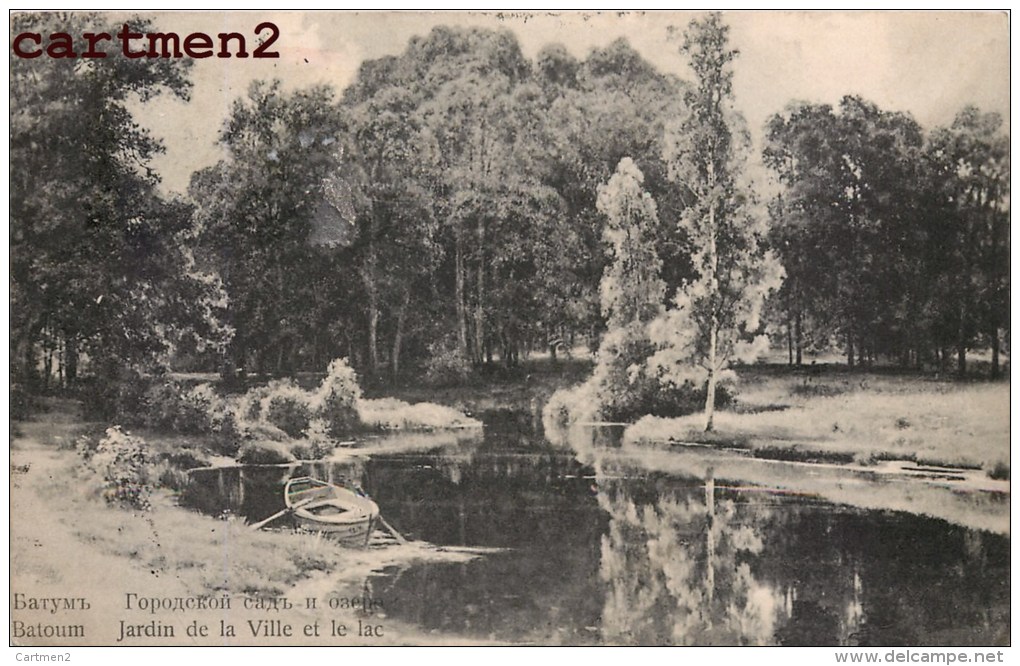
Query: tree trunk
798, 338
789, 337
710, 392
70, 358
60, 362
372, 291
398, 336
480, 303
713, 333
373, 332
462, 336
26, 360
282, 357
850, 350
961, 342
48, 362
994, 335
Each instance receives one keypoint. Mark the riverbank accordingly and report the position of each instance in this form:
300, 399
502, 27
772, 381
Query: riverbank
67, 543
863, 418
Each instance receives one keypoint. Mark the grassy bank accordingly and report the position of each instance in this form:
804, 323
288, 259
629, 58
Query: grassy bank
200, 553
524, 388
854, 417
167, 540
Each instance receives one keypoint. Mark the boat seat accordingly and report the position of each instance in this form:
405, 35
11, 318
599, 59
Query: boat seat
326, 508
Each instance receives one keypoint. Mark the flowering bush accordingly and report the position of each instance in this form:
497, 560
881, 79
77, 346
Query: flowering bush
249, 407
287, 407
122, 463
336, 400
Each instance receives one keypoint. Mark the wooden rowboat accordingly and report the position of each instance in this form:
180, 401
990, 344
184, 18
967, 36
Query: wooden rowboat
324, 507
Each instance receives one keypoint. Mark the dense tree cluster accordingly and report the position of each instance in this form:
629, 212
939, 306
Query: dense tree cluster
456, 207
100, 265
895, 241
441, 212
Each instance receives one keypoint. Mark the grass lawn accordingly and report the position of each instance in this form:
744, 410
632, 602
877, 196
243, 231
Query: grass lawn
862, 417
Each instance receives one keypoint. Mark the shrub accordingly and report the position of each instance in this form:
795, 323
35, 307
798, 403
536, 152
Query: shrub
201, 410
318, 438
567, 407
264, 453
1000, 471
249, 407
818, 390
287, 407
336, 401
648, 397
185, 459
611, 395
228, 429
170, 477
154, 402
316, 444
169, 405
446, 365
122, 463
578, 404
159, 407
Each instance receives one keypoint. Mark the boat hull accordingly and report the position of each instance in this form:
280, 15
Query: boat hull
350, 534
345, 516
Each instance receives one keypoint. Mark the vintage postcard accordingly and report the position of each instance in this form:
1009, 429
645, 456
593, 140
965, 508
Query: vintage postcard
511, 328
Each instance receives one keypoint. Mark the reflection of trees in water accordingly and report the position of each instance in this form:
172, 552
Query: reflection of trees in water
678, 569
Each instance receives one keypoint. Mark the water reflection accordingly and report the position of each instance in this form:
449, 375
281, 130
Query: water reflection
602, 550
677, 560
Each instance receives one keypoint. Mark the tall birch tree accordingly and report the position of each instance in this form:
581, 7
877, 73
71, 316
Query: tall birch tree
716, 312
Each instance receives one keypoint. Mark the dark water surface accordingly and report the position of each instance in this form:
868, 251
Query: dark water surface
623, 555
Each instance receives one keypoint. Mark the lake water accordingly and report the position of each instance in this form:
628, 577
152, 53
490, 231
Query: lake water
612, 553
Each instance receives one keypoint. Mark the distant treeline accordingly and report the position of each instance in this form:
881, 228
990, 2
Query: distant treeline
439, 214
895, 240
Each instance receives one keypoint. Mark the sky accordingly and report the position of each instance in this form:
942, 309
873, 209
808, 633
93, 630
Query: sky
927, 63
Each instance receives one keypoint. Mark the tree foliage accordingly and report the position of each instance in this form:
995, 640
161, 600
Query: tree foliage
632, 292
460, 203
969, 238
893, 241
99, 273
255, 217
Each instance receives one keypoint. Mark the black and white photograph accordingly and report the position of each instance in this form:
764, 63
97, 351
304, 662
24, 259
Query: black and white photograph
511, 328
